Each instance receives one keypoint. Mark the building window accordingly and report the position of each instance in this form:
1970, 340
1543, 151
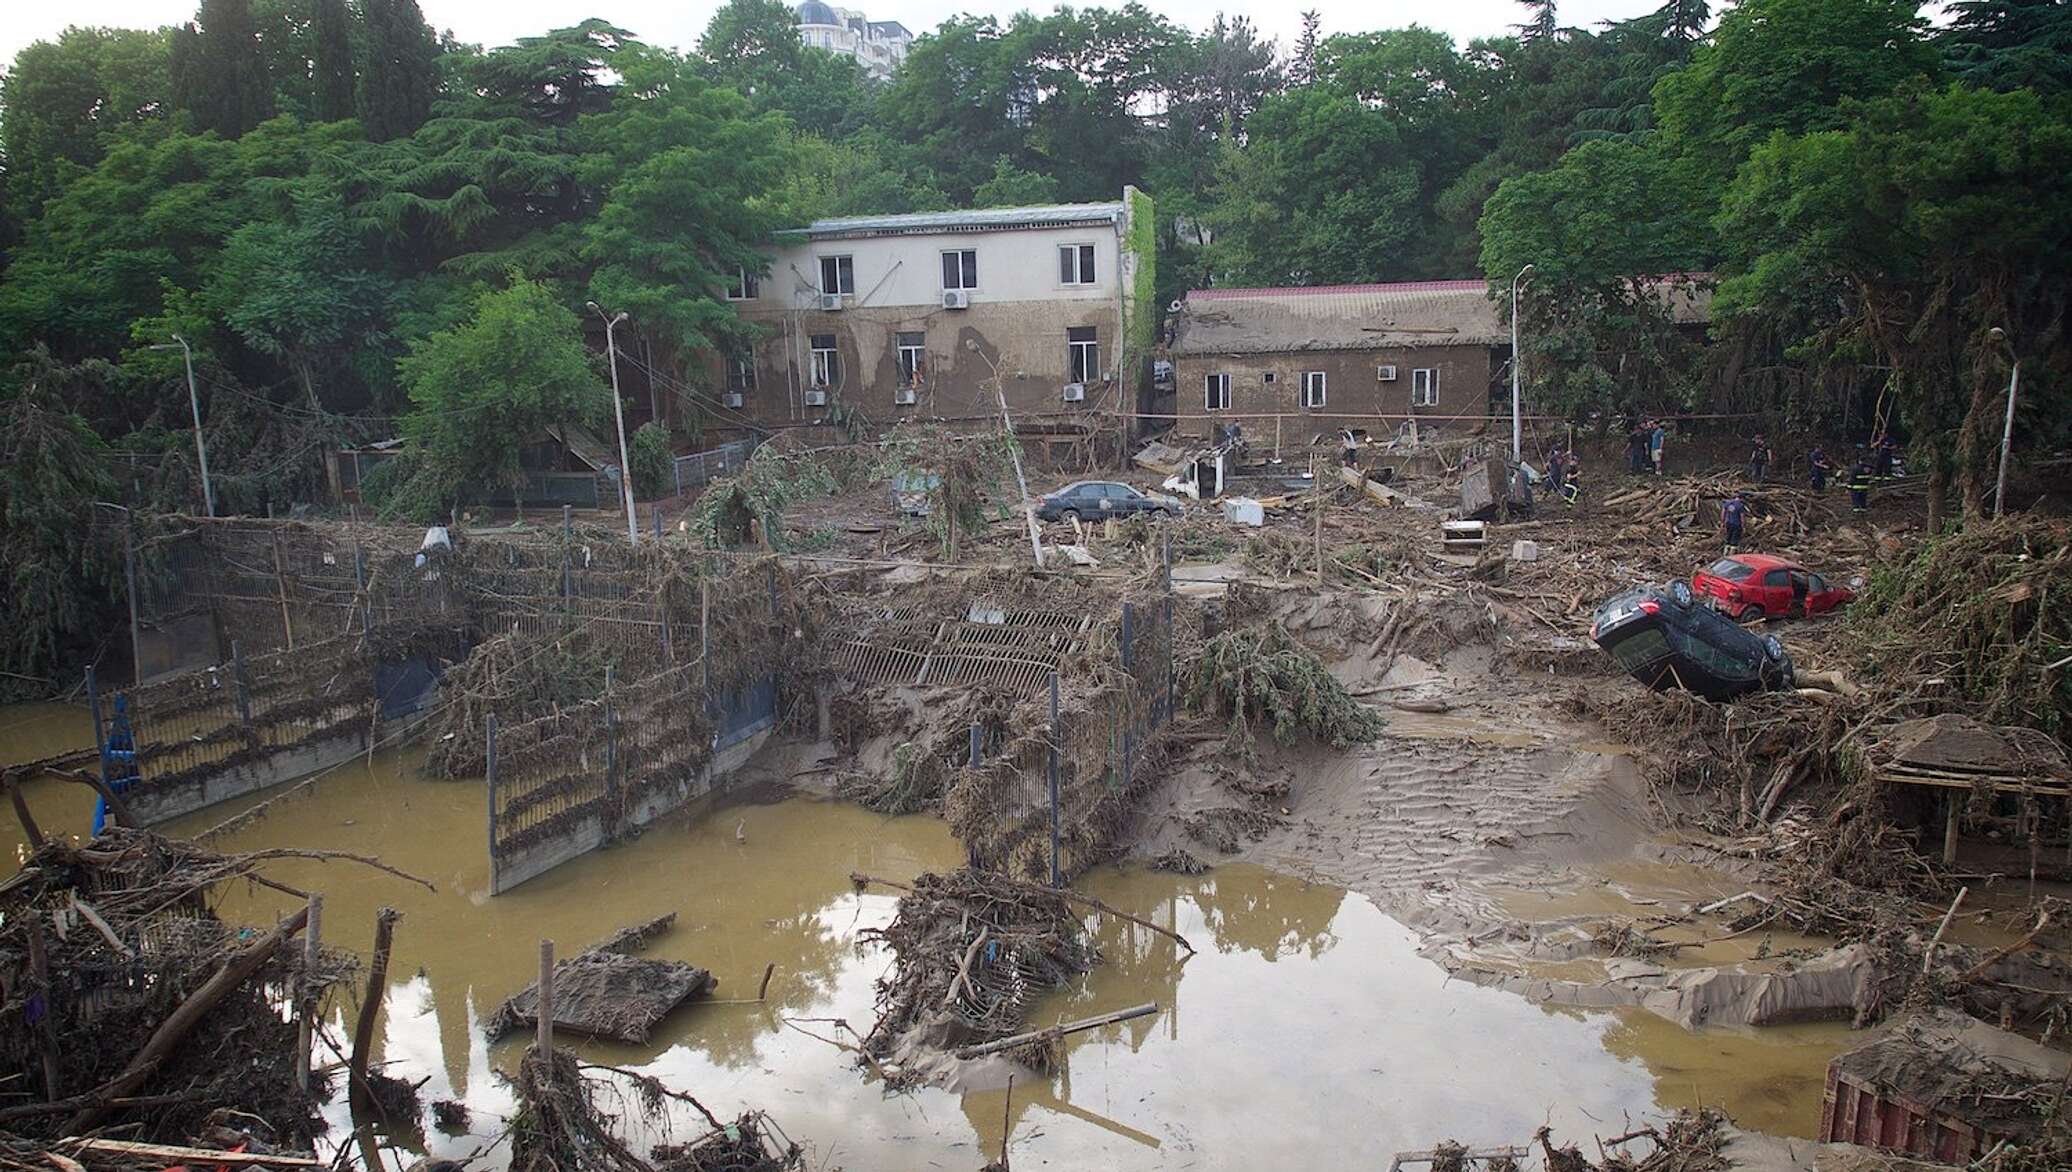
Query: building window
1215, 392
741, 372
960, 269
913, 358
838, 274
1076, 264
827, 364
1424, 388
745, 286
1082, 354
1312, 388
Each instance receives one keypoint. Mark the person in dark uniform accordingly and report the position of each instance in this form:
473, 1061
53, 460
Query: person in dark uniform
1637, 447
1759, 459
1885, 451
1860, 485
1819, 468
1557, 467
1572, 485
1732, 512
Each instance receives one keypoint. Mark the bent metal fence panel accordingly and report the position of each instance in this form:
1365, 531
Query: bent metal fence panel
215, 733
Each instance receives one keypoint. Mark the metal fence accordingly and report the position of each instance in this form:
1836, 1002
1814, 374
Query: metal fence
207, 735
700, 468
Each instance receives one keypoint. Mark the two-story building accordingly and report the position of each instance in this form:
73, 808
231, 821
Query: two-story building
922, 315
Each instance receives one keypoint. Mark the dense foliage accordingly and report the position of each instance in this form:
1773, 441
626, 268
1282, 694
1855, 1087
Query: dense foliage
326, 199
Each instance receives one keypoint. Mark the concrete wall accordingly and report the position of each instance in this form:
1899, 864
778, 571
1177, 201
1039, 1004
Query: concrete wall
153, 804
515, 867
1354, 395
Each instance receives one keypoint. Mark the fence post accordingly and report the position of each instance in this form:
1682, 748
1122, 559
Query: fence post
657, 508
611, 749
489, 771
1169, 641
1165, 555
1129, 715
93, 700
360, 584
1054, 882
545, 1018
704, 635
568, 524
305, 991
280, 582
129, 573
237, 678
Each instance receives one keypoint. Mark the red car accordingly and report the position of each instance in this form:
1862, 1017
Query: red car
1758, 586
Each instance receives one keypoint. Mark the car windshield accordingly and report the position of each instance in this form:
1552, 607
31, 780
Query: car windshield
1730, 569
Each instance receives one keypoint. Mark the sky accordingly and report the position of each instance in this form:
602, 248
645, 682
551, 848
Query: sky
678, 22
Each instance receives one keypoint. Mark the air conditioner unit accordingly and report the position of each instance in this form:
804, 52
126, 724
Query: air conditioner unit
903, 396
1075, 392
1386, 374
734, 400
956, 299
816, 398
830, 302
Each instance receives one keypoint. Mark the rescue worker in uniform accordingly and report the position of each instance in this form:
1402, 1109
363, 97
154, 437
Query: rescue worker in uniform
1572, 484
1732, 512
1860, 484
1819, 468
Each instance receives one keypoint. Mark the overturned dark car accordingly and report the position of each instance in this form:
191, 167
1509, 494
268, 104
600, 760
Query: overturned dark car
1666, 639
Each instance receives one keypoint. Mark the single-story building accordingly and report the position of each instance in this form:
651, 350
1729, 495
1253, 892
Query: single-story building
1290, 364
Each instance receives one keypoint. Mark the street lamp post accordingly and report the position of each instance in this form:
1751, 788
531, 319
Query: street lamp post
611, 350
201, 450
2014, 386
1517, 424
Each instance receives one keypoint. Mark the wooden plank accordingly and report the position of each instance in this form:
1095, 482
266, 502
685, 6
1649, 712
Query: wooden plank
179, 1155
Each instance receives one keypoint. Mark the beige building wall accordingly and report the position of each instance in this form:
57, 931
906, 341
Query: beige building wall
1266, 391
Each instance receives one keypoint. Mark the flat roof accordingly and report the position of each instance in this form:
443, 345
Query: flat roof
968, 220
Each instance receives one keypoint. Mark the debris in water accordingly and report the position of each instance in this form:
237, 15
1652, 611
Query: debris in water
605, 992
450, 1116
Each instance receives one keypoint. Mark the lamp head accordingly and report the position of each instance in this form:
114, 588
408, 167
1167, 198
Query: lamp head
1997, 334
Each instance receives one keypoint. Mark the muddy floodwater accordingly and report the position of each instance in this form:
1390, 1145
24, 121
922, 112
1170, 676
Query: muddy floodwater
1307, 1029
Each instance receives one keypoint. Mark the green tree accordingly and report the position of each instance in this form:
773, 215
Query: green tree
65, 101
1785, 66
52, 470
1901, 238
333, 60
751, 45
1011, 186
481, 391
399, 75
1599, 335
650, 454
2010, 44
218, 71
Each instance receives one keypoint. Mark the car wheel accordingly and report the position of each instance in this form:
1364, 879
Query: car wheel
1069, 516
1680, 590
1749, 613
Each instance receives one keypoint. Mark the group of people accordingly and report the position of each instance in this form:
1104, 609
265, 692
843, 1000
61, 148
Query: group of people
1879, 461
1645, 443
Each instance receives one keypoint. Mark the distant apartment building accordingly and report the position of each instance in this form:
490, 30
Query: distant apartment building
904, 316
878, 45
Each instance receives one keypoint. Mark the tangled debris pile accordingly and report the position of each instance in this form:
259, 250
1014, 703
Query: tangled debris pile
973, 951
559, 1126
1262, 673
518, 678
142, 1007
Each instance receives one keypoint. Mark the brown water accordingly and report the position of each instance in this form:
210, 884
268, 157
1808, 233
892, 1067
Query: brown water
1306, 1030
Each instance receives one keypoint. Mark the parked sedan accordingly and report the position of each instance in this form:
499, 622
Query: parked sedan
1098, 500
1758, 586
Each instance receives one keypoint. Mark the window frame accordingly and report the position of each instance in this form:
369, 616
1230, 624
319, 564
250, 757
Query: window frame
1214, 377
910, 376
967, 263
1321, 389
1085, 265
746, 286
1428, 394
824, 367
740, 373
841, 261
1083, 356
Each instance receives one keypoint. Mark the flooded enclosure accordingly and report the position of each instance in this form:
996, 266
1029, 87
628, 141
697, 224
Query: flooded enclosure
1306, 1028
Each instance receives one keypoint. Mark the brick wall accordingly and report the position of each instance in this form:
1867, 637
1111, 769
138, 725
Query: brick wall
1352, 390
